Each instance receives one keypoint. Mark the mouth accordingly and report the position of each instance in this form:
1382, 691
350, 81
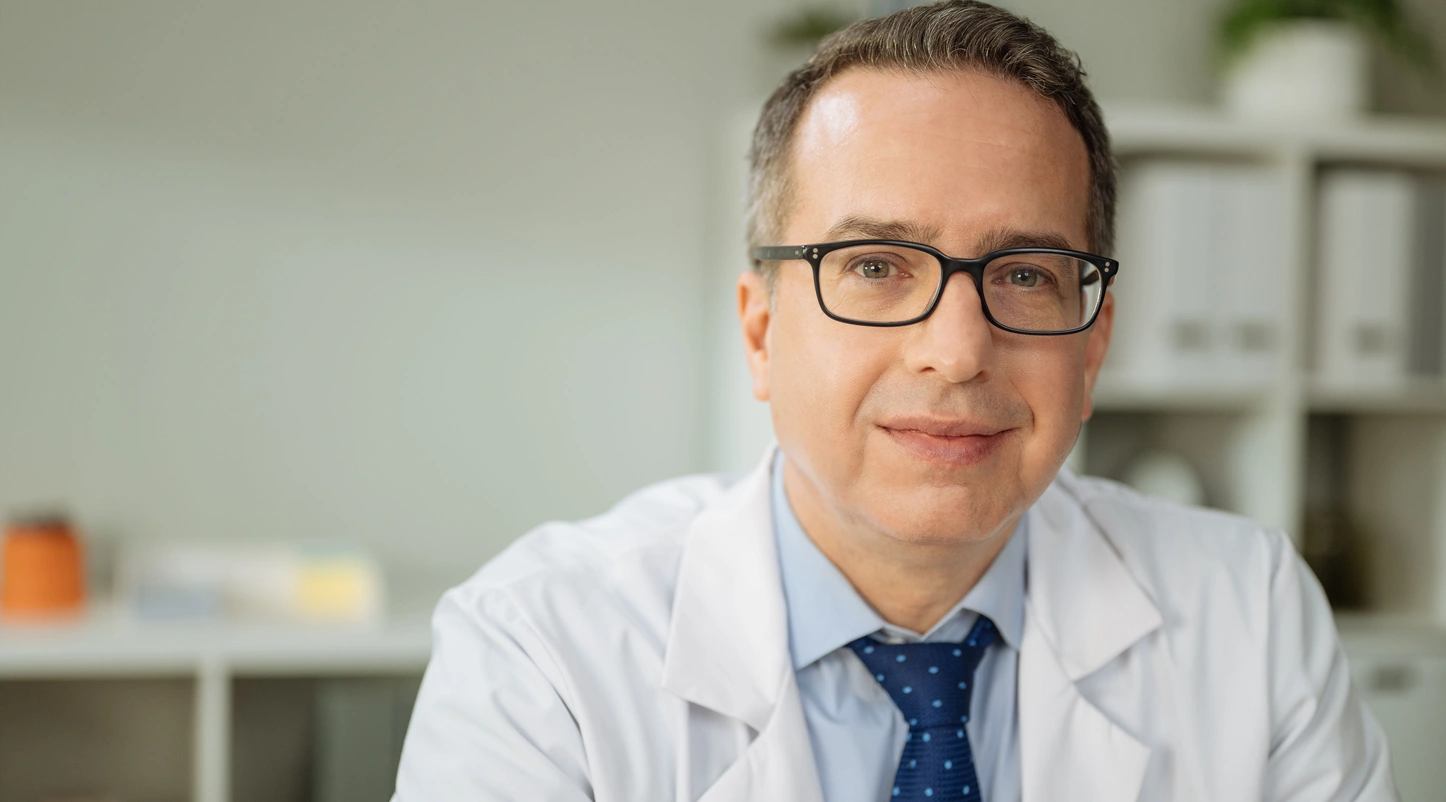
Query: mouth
952, 445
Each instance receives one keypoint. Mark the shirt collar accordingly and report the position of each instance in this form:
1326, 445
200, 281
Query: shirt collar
825, 612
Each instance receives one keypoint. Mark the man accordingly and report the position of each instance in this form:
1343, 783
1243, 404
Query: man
908, 598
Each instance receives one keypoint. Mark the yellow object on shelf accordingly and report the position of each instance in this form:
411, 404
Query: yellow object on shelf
251, 582
339, 588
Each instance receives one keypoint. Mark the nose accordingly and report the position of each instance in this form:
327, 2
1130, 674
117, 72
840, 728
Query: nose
956, 341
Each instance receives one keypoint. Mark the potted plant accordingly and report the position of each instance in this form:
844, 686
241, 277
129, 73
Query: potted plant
1309, 58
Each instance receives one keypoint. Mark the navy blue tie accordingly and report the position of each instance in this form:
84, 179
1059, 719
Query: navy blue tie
931, 684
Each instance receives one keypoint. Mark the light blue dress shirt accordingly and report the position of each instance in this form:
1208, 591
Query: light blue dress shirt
856, 731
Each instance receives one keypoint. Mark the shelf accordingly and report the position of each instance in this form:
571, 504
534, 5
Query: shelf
1376, 634
1208, 131
105, 644
1116, 394
210, 657
1418, 396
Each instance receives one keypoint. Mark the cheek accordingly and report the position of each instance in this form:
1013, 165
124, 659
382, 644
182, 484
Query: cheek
822, 369
1051, 382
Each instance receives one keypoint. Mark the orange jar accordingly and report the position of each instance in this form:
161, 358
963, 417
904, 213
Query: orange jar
42, 569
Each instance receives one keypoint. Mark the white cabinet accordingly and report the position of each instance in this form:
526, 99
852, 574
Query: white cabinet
208, 713
1401, 673
1408, 695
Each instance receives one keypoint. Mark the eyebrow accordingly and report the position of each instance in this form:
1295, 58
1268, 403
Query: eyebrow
856, 227
996, 239
1000, 238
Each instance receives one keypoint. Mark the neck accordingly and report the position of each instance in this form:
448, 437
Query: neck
910, 585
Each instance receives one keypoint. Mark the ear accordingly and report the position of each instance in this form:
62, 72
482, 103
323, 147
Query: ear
1095, 348
754, 315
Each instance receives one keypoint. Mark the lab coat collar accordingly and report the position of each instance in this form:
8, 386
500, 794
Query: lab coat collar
728, 639
1083, 609
728, 645
1088, 605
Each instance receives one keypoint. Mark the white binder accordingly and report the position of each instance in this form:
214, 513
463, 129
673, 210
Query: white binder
1366, 257
1251, 235
1203, 275
1164, 329
1428, 282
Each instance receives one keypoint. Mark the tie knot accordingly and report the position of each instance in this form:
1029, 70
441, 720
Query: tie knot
930, 683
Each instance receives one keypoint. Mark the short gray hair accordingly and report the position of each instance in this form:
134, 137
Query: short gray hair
948, 36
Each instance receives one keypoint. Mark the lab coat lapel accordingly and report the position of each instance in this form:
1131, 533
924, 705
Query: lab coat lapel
1083, 609
728, 644
779, 764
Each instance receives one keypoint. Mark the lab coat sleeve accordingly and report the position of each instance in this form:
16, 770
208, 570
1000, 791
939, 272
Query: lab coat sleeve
489, 722
1325, 744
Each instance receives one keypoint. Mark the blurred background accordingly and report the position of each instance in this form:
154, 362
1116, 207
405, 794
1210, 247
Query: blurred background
308, 309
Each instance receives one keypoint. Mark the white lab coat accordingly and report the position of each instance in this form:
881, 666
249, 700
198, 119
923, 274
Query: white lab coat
1169, 653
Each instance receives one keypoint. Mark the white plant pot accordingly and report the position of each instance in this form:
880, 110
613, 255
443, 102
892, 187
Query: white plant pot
1301, 70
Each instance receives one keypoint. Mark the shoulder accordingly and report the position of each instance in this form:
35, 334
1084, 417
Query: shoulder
547, 658
1182, 554
1134, 521
623, 561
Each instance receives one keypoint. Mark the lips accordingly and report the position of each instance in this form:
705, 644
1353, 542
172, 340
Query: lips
943, 427
950, 443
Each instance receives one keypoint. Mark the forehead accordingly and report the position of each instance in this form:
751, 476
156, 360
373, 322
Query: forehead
962, 154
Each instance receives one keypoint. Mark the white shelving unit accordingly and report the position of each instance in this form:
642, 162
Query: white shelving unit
1253, 443
1273, 450
203, 661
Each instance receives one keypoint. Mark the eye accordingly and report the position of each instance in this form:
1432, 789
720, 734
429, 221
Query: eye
873, 267
1027, 276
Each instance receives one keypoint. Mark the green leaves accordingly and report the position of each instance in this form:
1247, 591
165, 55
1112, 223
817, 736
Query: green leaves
809, 25
1244, 20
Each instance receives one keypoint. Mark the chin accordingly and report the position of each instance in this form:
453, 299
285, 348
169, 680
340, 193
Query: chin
936, 515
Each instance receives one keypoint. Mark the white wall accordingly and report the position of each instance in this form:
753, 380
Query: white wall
414, 275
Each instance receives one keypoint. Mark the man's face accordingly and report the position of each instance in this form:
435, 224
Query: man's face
948, 429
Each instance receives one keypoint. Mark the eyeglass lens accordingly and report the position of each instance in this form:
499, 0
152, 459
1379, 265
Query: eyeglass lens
1036, 292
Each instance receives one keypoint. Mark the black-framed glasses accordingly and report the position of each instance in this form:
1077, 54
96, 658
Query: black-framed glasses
882, 282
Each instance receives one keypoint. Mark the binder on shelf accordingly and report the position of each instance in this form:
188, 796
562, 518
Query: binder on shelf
1366, 253
1251, 232
1163, 335
1202, 245
1428, 283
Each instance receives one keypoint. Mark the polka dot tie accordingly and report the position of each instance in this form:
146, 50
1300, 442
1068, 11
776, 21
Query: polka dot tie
931, 684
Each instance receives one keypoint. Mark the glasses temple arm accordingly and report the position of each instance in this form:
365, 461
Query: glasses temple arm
779, 253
